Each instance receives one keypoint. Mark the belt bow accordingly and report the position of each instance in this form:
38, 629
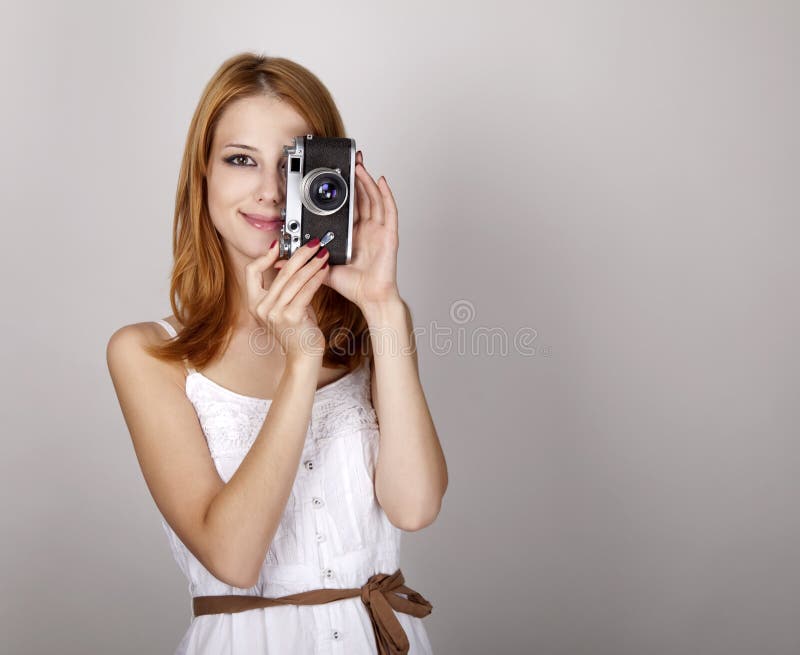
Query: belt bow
380, 596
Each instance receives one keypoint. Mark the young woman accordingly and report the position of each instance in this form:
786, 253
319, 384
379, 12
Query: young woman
285, 462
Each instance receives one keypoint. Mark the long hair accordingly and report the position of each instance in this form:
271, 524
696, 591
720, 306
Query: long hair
203, 290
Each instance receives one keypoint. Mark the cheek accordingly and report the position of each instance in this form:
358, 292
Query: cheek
224, 198
226, 190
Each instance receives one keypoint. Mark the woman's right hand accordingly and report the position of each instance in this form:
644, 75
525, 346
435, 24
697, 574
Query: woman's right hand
284, 309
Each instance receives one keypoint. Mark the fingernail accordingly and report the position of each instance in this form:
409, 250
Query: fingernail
322, 252
325, 265
313, 242
272, 245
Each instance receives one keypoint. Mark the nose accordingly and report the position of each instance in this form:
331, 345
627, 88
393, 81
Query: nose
271, 188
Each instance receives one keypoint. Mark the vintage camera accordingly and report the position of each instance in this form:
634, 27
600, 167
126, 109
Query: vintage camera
320, 184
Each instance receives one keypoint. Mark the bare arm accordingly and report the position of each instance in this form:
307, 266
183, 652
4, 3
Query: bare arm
228, 527
242, 518
411, 472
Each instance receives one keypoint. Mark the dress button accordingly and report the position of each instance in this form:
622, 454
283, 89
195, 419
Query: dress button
320, 536
336, 634
309, 465
318, 502
328, 573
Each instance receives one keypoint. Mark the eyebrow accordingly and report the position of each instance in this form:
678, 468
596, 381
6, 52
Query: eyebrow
240, 145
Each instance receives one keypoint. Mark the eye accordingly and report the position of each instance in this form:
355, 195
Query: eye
233, 158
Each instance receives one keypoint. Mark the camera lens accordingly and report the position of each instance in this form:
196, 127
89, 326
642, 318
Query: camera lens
324, 191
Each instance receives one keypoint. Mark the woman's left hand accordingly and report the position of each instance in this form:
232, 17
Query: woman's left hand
371, 276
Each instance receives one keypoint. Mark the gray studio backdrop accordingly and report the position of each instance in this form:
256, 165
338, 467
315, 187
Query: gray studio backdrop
598, 225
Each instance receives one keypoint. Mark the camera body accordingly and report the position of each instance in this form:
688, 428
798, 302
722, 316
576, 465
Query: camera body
320, 190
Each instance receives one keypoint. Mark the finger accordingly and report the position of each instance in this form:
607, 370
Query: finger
253, 273
362, 198
357, 214
296, 282
304, 295
295, 262
388, 203
375, 199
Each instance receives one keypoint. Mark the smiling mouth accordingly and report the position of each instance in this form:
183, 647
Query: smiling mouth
262, 225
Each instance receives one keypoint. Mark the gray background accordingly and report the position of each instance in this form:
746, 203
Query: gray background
620, 177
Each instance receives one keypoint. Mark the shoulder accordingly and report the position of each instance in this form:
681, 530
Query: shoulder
138, 334
128, 345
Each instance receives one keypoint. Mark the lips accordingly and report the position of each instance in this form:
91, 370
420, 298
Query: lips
261, 222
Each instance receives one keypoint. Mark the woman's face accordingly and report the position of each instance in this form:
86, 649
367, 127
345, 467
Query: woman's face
246, 171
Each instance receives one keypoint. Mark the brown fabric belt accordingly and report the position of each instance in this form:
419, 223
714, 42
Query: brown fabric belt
380, 595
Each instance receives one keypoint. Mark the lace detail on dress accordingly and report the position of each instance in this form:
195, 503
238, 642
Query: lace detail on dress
232, 421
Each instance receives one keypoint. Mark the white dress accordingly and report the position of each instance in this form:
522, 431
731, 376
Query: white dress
333, 533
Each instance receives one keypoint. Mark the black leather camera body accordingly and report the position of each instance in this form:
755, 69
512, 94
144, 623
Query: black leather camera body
320, 184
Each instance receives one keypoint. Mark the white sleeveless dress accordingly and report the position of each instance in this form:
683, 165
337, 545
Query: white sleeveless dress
333, 533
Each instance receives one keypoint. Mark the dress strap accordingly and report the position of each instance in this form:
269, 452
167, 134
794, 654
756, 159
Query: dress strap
172, 333
167, 327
